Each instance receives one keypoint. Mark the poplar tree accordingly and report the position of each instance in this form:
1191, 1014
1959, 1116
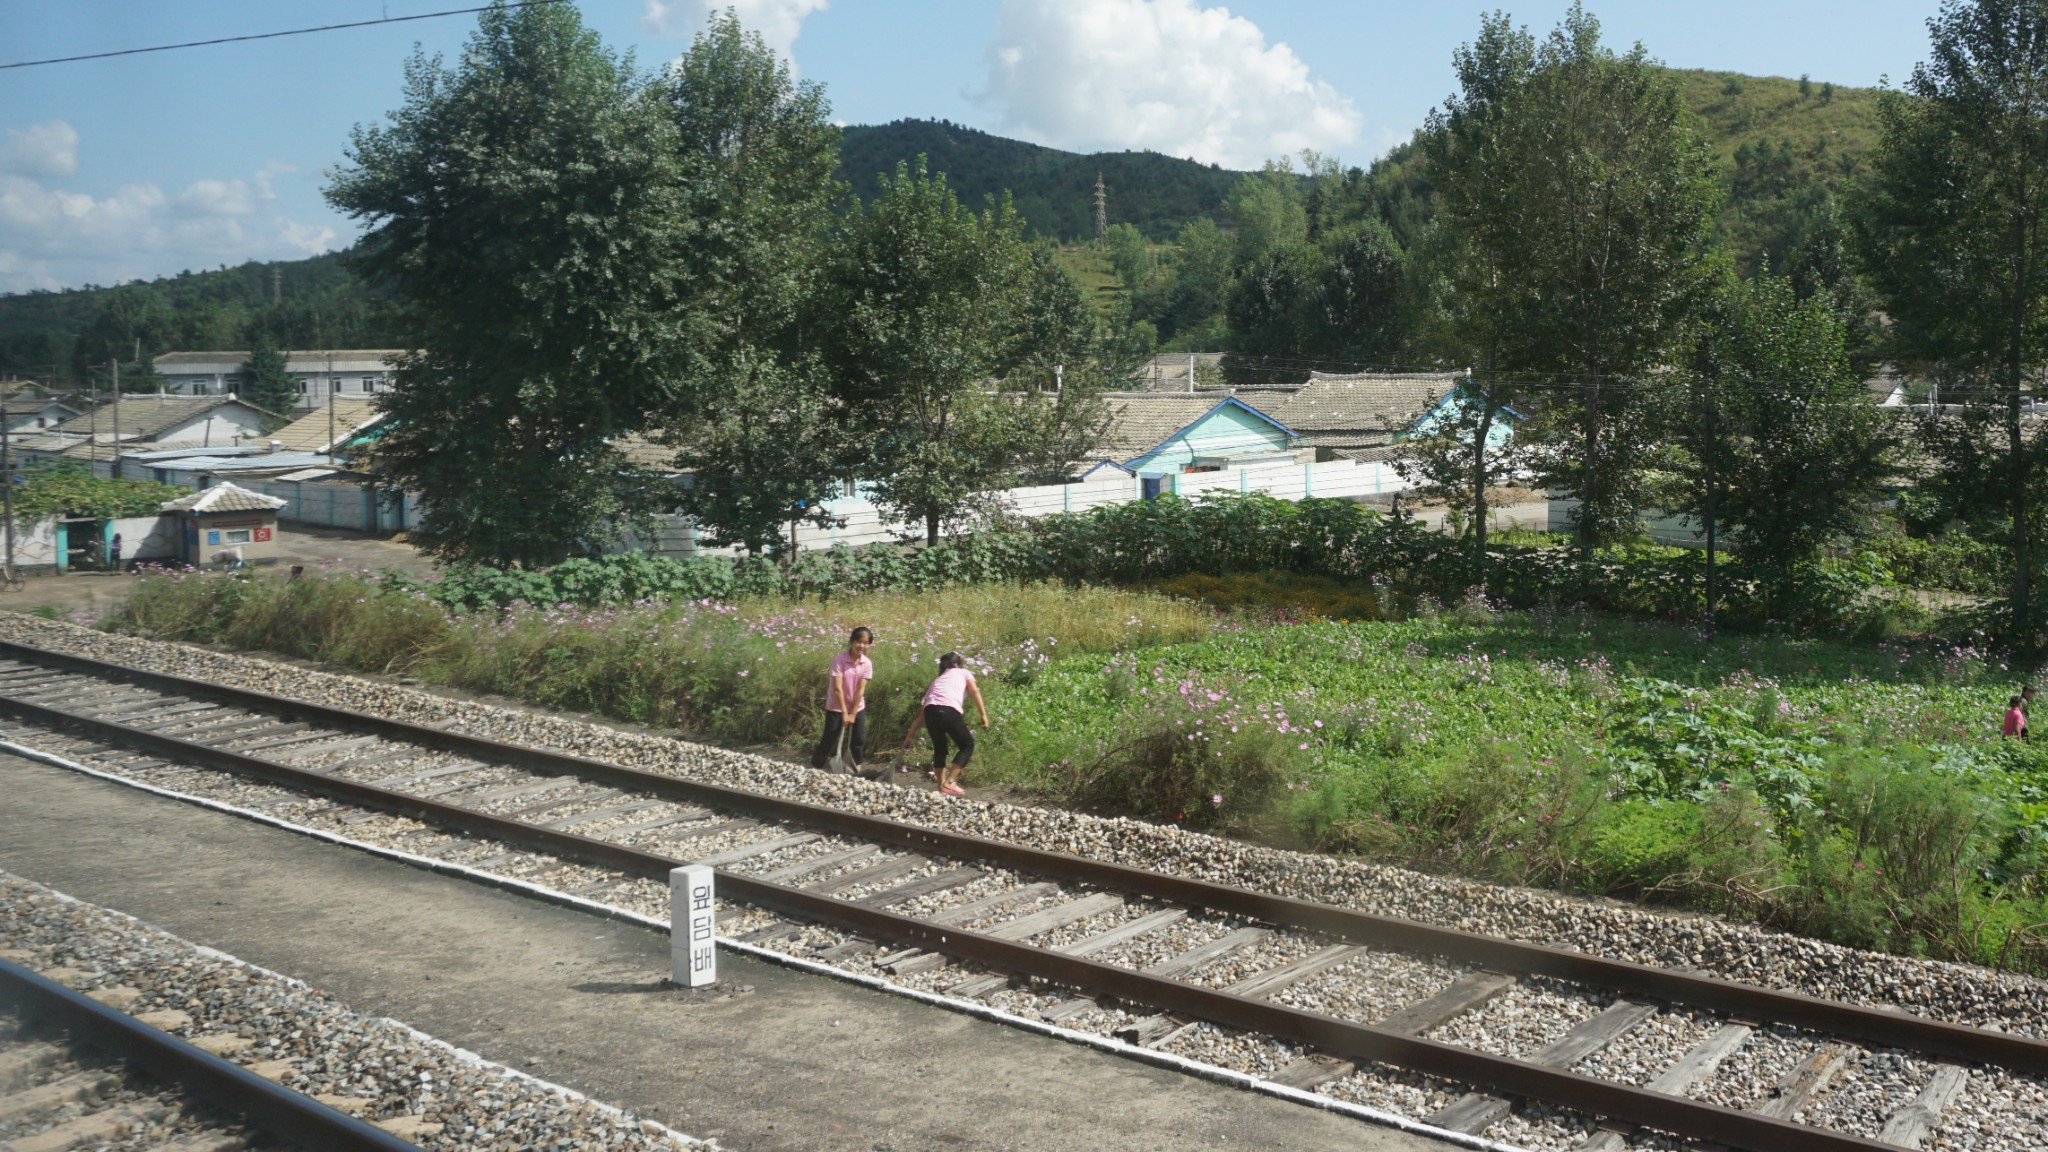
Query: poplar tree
1951, 229
1782, 446
756, 425
924, 306
1581, 201
525, 207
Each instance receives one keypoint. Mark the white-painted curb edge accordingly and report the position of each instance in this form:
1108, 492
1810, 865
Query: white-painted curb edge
973, 1008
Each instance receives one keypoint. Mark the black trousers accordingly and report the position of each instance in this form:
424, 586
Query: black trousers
828, 745
948, 724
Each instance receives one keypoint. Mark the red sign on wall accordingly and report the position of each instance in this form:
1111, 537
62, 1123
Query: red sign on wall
261, 535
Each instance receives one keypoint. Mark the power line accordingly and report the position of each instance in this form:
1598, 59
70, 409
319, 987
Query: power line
274, 35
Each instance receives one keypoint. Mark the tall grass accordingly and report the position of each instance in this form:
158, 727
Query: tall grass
751, 671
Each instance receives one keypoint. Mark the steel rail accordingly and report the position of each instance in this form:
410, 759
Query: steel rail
1620, 1102
1873, 1026
297, 1119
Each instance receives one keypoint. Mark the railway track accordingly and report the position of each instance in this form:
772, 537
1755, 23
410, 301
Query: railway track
77, 1072
979, 918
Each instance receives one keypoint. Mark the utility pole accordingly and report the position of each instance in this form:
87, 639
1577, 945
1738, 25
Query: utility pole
115, 469
7, 500
330, 408
1713, 451
1101, 212
276, 284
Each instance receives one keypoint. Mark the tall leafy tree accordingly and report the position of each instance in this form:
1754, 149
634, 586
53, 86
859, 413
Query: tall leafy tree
270, 386
1336, 302
1581, 201
1064, 359
763, 460
1189, 307
1782, 446
526, 208
924, 305
1952, 232
755, 424
1130, 256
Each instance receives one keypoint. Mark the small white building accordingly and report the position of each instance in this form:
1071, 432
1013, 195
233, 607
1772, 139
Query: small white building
153, 420
30, 413
320, 373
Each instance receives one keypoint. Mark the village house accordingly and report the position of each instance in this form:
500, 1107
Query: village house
26, 412
320, 374
1164, 433
153, 420
1363, 416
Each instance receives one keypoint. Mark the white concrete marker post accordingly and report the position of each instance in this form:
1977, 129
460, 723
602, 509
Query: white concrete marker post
693, 954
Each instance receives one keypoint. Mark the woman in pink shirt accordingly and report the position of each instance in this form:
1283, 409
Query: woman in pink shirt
944, 714
846, 700
2015, 718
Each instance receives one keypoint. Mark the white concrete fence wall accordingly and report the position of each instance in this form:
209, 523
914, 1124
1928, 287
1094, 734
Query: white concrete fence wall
860, 522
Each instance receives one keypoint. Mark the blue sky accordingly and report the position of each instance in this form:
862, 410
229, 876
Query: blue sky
146, 165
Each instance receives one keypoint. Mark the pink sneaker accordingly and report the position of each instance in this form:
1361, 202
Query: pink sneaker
952, 790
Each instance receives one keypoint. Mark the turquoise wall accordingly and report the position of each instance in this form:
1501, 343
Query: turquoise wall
1228, 430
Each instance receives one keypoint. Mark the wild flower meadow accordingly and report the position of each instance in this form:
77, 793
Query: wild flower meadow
1855, 791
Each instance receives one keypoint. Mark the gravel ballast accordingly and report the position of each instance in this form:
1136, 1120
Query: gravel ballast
1518, 1021
433, 1094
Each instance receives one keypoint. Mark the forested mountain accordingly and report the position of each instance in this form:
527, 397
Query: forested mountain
298, 303
1053, 190
1785, 148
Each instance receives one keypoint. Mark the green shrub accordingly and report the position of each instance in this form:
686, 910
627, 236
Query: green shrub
1178, 772
1892, 857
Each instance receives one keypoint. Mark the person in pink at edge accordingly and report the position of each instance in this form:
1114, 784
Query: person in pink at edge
2015, 719
944, 714
846, 699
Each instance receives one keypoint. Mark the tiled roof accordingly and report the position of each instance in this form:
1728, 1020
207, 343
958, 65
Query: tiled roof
145, 416
1368, 401
1141, 421
224, 498
351, 416
1377, 455
1342, 438
31, 405
643, 450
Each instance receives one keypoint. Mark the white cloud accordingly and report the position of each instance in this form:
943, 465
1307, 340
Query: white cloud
1098, 75
217, 198
53, 237
778, 21
41, 150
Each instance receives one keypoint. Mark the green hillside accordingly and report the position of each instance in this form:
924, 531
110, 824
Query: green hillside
1785, 150
1830, 125
1053, 190
299, 303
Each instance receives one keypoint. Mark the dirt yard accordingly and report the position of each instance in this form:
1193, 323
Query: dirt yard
297, 544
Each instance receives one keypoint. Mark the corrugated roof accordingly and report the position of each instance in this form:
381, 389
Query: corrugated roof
242, 462
351, 417
224, 498
147, 415
1368, 401
308, 359
1141, 421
